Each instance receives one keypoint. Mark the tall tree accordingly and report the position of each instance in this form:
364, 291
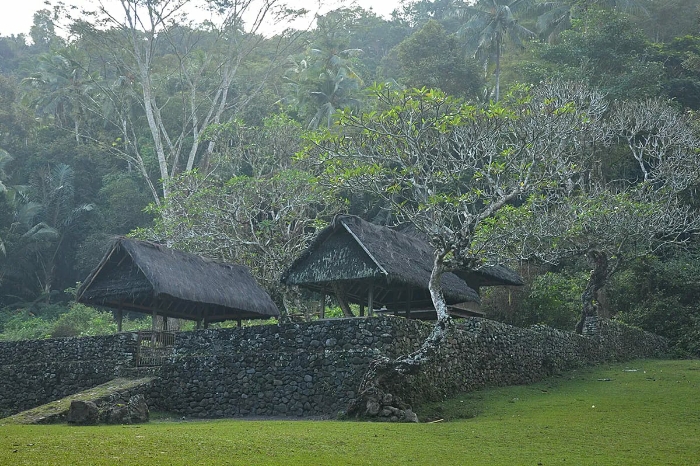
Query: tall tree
488, 27
60, 89
263, 216
161, 65
5, 158
433, 59
605, 49
325, 79
45, 222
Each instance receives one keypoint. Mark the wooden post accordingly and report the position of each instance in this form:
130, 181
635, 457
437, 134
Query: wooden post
362, 309
322, 310
120, 317
153, 320
370, 301
199, 323
239, 323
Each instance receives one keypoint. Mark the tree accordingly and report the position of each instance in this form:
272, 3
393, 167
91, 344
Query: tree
488, 25
448, 168
611, 221
43, 31
5, 158
608, 228
45, 216
421, 11
60, 90
325, 80
160, 65
605, 50
263, 216
433, 59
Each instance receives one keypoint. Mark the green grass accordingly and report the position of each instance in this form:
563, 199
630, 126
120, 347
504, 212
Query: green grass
609, 415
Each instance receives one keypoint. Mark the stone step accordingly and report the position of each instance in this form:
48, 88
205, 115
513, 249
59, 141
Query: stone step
57, 411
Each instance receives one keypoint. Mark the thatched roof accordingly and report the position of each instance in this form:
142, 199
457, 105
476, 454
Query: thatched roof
486, 275
490, 275
147, 277
359, 255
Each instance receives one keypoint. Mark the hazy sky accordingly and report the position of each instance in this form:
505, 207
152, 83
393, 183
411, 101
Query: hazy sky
16, 15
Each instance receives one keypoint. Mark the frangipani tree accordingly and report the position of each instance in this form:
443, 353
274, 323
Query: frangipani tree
449, 167
262, 212
607, 228
609, 221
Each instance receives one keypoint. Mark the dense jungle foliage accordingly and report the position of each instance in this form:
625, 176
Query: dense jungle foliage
209, 136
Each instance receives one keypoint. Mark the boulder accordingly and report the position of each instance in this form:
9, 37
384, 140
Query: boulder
138, 409
133, 412
83, 413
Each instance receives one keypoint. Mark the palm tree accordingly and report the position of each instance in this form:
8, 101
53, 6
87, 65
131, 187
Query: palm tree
325, 80
44, 216
487, 28
5, 158
62, 88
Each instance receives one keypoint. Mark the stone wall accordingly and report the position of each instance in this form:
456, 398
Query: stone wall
35, 372
308, 369
482, 353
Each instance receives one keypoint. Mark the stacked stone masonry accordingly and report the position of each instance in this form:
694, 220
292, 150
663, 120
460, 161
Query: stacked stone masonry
307, 369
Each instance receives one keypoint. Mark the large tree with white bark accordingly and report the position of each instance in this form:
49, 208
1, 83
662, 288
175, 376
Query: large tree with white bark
167, 78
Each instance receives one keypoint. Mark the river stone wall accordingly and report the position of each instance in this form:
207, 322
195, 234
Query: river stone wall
308, 369
35, 372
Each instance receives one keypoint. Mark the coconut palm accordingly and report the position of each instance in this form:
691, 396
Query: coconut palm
325, 80
5, 158
488, 26
45, 215
62, 87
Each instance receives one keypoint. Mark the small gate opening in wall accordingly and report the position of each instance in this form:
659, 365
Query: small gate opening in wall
154, 347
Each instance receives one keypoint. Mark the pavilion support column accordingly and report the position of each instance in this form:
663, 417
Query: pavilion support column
322, 308
120, 319
240, 323
370, 301
154, 317
199, 323
362, 309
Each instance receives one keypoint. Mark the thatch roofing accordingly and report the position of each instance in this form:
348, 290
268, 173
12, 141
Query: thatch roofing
147, 277
359, 255
490, 275
486, 275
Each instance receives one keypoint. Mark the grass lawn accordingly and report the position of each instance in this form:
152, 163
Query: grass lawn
639, 413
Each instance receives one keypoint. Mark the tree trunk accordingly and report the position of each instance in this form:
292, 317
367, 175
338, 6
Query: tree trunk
597, 280
342, 300
498, 69
383, 372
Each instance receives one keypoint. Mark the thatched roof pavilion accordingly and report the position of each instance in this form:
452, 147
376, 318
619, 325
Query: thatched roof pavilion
150, 278
363, 263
